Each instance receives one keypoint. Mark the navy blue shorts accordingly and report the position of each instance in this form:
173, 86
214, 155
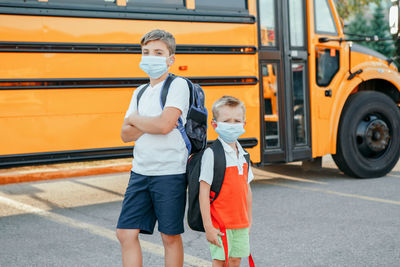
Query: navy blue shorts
154, 198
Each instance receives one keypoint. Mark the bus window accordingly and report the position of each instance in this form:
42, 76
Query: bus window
324, 23
327, 65
267, 22
84, 2
131, 3
155, 2
271, 122
296, 23
298, 72
221, 4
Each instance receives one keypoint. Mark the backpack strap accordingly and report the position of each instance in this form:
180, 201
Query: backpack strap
165, 89
219, 169
163, 100
218, 180
251, 261
139, 95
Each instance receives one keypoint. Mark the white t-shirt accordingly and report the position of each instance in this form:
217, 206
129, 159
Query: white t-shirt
158, 154
207, 162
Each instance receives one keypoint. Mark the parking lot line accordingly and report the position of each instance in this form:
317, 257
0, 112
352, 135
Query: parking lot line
259, 176
97, 230
381, 200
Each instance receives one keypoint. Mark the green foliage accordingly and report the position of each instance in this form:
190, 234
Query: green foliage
360, 27
397, 52
378, 26
346, 8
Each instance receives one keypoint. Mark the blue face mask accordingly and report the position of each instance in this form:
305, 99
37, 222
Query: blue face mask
154, 66
229, 132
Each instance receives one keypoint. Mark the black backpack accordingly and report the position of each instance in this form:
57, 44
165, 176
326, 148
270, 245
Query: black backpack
193, 173
194, 132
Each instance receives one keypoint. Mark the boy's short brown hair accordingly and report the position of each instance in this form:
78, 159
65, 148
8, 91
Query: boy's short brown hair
229, 101
161, 35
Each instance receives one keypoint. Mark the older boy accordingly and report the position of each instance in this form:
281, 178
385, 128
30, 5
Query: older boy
234, 201
157, 186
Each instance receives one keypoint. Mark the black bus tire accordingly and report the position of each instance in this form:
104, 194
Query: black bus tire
368, 139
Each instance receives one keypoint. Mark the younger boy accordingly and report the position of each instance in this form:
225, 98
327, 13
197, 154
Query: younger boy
234, 200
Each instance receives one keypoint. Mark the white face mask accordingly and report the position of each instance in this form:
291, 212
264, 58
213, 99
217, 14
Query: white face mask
229, 132
154, 66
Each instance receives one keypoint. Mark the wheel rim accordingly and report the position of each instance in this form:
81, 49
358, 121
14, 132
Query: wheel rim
373, 136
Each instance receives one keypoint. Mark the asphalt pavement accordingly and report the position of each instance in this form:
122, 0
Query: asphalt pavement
301, 218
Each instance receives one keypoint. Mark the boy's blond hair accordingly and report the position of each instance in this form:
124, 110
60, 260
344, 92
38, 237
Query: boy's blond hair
161, 35
229, 101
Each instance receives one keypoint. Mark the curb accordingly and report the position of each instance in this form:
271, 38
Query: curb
15, 177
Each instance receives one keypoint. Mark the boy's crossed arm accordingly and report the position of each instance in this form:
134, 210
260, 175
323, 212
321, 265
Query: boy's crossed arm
204, 200
129, 132
135, 125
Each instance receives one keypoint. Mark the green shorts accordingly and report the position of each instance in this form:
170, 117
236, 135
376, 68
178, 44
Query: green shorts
238, 245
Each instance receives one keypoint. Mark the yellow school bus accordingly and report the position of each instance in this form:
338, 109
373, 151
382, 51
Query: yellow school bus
69, 68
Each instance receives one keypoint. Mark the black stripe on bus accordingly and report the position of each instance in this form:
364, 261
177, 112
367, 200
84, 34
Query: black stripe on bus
102, 48
131, 13
23, 84
7, 161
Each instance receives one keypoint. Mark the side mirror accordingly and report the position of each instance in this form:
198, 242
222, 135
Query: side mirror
394, 20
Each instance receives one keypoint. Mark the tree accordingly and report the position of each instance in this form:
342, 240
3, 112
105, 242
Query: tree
397, 52
359, 27
346, 8
380, 27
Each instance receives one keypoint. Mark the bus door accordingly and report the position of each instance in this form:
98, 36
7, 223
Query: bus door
284, 81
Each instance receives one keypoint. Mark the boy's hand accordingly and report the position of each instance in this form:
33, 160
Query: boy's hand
212, 236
